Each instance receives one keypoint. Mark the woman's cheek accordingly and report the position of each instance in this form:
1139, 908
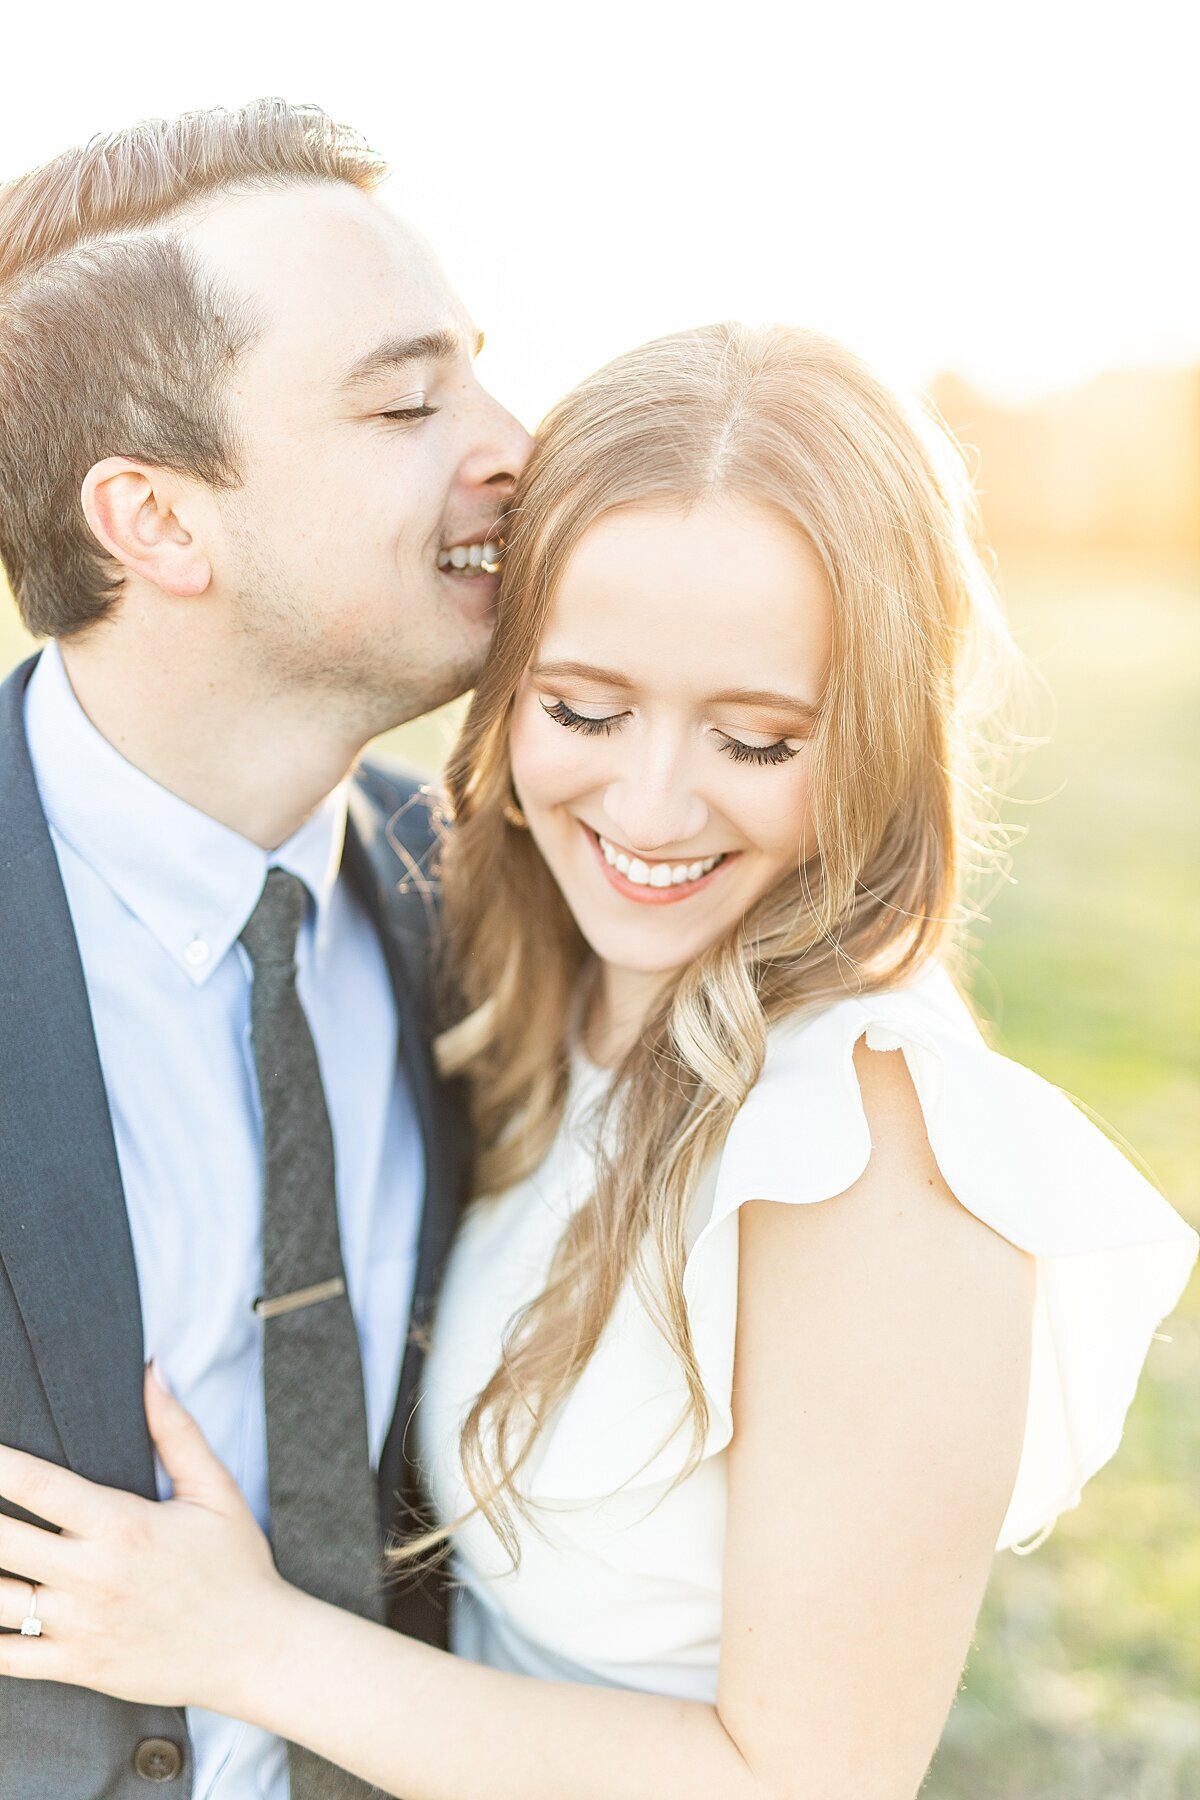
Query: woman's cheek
549, 765
794, 836
771, 808
527, 760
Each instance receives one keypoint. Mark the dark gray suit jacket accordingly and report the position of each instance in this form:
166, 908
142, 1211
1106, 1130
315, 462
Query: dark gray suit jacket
70, 1318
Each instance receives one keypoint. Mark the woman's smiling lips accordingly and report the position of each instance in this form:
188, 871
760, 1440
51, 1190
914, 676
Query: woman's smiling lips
658, 891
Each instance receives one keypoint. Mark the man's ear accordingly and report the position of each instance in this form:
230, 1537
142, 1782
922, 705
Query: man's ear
147, 518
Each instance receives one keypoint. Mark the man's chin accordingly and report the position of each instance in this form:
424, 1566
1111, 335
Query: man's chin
474, 596
440, 686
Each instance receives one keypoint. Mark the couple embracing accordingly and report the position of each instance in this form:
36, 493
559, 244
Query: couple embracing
769, 1300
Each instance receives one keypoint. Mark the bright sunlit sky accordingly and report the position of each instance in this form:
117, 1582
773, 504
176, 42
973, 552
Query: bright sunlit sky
1006, 189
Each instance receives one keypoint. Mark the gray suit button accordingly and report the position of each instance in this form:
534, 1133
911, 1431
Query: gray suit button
157, 1759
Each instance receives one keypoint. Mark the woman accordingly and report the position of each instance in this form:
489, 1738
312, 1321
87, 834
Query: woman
761, 1336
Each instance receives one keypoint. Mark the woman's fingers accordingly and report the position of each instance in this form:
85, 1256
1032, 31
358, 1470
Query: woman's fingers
28, 1658
50, 1492
195, 1472
16, 1603
30, 1552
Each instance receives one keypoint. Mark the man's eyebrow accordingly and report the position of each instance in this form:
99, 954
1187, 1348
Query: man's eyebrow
394, 353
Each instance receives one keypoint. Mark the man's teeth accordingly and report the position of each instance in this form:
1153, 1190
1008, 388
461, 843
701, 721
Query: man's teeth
471, 559
656, 875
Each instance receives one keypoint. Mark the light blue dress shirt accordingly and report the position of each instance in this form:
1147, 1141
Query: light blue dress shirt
159, 893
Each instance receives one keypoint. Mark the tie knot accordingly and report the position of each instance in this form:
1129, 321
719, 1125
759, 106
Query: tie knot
270, 932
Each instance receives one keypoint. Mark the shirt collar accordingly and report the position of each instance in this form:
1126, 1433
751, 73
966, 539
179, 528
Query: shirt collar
191, 881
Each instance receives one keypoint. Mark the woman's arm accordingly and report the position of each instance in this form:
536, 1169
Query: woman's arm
179, 1604
881, 1383
880, 1391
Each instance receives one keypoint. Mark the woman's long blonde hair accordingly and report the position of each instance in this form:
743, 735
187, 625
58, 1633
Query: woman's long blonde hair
790, 420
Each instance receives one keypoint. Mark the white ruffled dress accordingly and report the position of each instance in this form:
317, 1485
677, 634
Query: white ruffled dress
620, 1582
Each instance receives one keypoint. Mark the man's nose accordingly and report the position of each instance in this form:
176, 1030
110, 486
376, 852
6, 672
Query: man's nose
502, 449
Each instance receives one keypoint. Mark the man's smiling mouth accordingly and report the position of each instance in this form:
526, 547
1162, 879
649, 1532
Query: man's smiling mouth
472, 559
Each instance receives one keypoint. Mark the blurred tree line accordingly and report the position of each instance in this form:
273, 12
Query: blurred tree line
1111, 467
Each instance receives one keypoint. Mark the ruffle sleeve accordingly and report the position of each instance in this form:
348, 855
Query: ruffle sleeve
1112, 1255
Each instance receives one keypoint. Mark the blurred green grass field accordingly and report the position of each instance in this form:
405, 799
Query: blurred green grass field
1085, 1680
1084, 1683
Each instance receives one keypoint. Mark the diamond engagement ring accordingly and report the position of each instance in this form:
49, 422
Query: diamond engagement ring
31, 1625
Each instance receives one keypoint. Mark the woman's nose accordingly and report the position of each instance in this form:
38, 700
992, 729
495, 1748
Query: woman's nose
651, 816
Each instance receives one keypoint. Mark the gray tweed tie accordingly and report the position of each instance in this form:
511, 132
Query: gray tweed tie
323, 1496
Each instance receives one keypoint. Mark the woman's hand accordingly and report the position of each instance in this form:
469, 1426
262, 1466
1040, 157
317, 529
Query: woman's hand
143, 1600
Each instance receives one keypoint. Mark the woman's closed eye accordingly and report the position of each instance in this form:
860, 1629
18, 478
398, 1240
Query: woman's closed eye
603, 724
781, 751
589, 725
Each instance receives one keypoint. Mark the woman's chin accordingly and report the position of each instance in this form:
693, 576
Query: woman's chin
642, 952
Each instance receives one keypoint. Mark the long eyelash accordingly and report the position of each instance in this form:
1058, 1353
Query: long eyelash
411, 412
562, 714
767, 753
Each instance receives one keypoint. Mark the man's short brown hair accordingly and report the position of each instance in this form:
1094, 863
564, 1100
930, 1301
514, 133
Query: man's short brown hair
113, 342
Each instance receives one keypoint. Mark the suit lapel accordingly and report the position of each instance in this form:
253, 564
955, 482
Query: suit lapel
64, 1231
403, 923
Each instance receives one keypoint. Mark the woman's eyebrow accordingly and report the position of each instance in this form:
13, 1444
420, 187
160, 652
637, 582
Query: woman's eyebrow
578, 671
612, 678
761, 697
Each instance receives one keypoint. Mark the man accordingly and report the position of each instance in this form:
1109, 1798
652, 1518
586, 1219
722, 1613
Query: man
241, 440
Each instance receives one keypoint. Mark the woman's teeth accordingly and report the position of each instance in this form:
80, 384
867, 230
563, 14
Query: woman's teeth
471, 559
656, 875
